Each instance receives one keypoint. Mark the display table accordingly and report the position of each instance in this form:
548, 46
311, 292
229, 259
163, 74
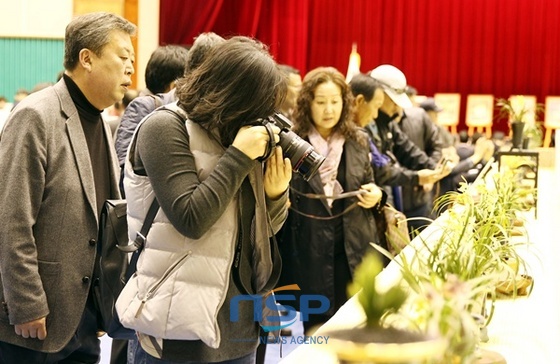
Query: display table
523, 330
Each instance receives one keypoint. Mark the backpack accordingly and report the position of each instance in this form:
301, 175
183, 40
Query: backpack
114, 268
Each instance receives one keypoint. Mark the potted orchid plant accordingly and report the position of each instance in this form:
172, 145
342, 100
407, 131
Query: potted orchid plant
459, 265
375, 341
522, 117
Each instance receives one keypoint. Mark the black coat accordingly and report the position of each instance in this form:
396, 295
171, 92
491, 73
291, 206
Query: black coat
420, 129
406, 156
307, 244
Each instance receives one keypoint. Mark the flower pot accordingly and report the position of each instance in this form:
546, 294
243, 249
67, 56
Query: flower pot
526, 142
517, 134
385, 345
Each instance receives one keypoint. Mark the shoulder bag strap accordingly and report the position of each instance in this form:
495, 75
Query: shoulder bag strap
140, 240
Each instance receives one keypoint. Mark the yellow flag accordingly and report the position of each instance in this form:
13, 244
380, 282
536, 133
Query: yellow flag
353, 63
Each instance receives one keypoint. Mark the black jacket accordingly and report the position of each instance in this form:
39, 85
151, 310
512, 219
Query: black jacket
307, 245
406, 157
420, 129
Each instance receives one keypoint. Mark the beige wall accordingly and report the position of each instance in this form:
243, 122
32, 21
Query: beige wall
148, 36
89, 6
36, 19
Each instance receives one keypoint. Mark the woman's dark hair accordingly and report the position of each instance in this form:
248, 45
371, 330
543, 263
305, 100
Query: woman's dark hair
237, 83
302, 116
362, 84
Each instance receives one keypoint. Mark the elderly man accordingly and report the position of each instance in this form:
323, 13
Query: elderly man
59, 167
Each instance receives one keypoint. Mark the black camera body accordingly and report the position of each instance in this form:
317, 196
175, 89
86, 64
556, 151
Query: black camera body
305, 160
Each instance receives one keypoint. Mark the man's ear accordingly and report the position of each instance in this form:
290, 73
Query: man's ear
85, 58
359, 100
170, 86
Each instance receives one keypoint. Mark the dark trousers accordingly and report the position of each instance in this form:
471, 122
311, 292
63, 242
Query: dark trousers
342, 277
137, 355
84, 347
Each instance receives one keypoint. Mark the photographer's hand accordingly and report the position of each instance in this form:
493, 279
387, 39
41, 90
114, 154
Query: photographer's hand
277, 175
253, 140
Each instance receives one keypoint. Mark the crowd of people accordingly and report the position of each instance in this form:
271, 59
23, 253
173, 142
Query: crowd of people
237, 216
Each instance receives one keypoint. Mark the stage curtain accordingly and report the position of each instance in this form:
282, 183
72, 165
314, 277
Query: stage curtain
181, 21
501, 47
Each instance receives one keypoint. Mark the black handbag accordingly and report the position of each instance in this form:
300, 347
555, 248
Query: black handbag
114, 268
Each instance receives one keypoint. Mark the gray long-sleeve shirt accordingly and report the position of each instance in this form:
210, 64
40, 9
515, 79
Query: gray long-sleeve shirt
162, 152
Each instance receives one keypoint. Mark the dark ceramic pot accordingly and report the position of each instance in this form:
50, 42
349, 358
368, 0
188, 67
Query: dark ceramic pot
517, 134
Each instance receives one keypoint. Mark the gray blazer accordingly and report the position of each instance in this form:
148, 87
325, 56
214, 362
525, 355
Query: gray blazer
48, 217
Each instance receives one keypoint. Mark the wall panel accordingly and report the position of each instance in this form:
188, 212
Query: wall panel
27, 62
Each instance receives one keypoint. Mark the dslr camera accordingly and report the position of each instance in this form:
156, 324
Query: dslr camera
305, 160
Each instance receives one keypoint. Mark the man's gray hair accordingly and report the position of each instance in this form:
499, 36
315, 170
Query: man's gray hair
92, 31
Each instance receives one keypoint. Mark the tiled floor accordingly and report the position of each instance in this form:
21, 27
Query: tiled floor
105, 349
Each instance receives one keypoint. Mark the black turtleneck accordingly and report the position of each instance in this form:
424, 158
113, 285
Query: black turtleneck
92, 125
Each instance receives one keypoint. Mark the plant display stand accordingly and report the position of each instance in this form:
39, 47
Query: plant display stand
530, 169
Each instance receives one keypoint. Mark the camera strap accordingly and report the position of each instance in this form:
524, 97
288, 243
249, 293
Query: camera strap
271, 141
332, 197
316, 217
319, 197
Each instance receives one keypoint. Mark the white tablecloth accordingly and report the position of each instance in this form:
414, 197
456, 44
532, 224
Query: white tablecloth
525, 330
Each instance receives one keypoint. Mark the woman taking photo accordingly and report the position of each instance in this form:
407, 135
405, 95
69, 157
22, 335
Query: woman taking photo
219, 206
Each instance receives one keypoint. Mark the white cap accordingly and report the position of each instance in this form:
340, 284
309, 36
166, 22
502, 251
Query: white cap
393, 82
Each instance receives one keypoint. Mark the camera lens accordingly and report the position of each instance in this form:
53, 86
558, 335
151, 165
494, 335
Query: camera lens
310, 164
305, 160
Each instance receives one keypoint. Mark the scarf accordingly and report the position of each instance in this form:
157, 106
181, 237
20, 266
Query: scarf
331, 149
